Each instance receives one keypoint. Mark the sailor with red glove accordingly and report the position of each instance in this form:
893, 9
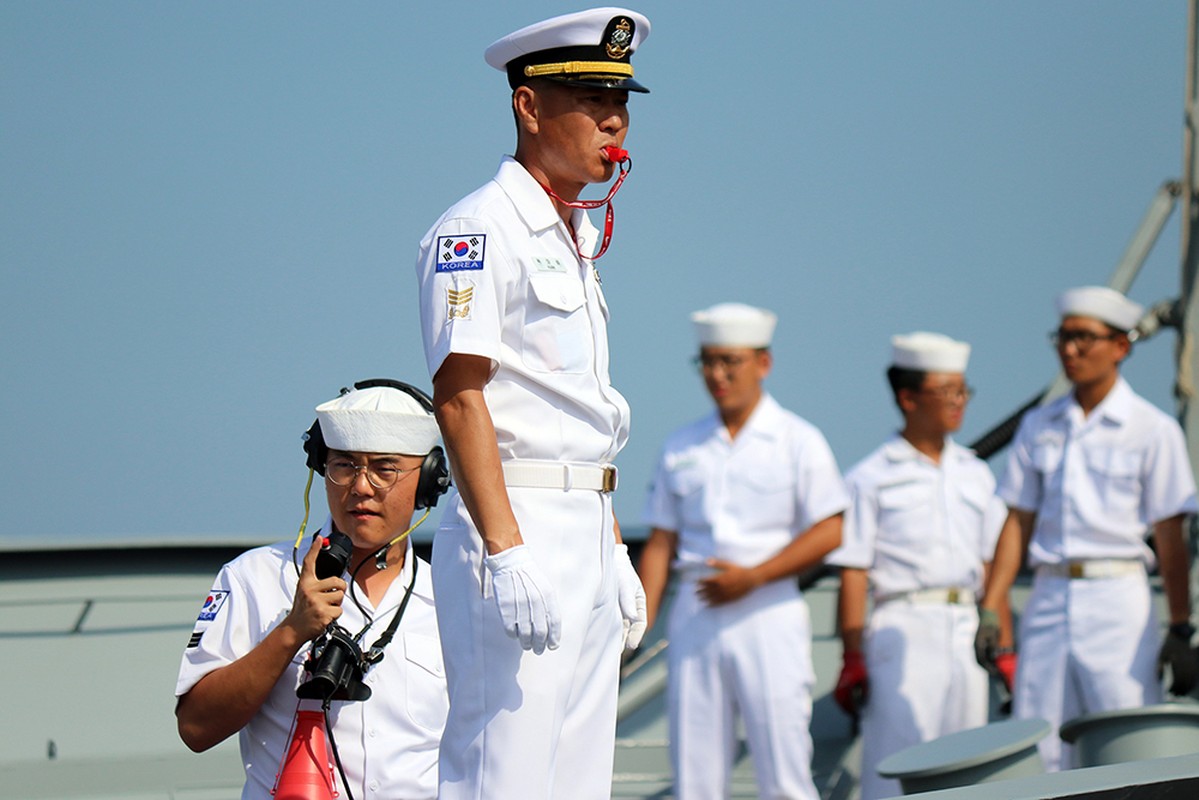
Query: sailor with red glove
921, 525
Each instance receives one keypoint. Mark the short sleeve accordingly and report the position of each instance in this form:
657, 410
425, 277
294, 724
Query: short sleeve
221, 634
460, 275
821, 491
860, 527
1169, 486
661, 507
1020, 486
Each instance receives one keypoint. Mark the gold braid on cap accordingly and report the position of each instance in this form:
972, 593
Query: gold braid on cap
572, 67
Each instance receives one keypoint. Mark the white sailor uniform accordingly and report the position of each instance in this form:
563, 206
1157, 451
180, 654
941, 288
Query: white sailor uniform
388, 743
742, 500
923, 531
1089, 634
500, 277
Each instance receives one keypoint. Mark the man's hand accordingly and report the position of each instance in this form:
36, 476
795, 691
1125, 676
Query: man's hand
317, 603
1177, 653
527, 601
731, 582
986, 640
853, 685
632, 598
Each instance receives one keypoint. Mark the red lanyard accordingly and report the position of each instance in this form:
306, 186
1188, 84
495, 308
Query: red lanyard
626, 166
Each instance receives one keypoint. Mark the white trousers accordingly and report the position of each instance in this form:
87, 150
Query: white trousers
924, 683
1086, 645
752, 657
534, 727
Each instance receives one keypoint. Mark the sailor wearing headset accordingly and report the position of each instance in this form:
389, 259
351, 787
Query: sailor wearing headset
376, 447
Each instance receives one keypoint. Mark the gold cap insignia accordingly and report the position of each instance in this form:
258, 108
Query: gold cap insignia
620, 39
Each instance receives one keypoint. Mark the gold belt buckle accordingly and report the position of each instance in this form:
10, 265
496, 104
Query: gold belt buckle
1077, 569
609, 480
952, 596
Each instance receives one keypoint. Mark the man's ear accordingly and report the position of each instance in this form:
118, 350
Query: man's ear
524, 106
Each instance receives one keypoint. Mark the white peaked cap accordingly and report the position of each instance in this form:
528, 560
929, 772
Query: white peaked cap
592, 47
734, 325
380, 419
1101, 303
929, 352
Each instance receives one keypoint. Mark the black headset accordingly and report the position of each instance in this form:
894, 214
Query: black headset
434, 478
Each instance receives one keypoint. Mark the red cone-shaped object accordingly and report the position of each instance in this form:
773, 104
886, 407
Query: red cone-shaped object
307, 772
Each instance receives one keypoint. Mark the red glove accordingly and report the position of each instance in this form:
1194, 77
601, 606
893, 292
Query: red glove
1005, 665
853, 685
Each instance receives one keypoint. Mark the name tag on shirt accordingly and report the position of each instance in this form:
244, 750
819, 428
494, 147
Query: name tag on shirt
546, 264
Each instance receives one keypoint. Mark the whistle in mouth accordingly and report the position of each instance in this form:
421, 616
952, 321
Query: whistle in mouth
615, 154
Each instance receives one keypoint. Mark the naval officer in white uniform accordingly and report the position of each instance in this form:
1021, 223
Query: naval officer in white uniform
1088, 475
515, 333
919, 534
743, 501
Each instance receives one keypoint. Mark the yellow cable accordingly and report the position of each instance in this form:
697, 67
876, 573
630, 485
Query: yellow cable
307, 507
401, 537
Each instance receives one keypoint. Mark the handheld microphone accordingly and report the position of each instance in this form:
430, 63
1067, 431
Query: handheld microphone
334, 555
335, 662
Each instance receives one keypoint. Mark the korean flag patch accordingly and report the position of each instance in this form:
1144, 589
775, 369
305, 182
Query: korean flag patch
459, 253
212, 605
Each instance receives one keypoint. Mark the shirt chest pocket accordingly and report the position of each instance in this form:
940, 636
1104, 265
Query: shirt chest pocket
425, 681
905, 511
1116, 476
556, 336
767, 496
1046, 455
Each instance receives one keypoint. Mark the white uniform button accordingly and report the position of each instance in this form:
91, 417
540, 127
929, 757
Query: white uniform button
374, 786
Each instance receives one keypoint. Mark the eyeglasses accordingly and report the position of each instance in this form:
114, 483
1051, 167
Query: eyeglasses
381, 474
1083, 340
707, 363
947, 394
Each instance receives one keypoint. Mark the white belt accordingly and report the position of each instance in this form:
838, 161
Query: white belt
951, 595
1093, 568
564, 475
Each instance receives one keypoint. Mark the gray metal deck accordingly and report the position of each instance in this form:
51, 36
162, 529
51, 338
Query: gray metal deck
90, 642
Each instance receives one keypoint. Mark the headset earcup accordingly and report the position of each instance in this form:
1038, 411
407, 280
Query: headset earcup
434, 479
314, 446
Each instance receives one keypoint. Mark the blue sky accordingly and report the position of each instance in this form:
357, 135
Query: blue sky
209, 215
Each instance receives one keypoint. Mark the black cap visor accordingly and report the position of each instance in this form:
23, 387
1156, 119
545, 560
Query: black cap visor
598, 82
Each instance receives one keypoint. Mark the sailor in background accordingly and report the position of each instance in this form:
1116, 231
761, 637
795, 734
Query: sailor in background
919, 533
742, 502
515, 333
377, 450
1087, 476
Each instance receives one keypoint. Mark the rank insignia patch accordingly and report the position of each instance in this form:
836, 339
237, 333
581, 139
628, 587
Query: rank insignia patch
212, 605
458, 253
458, 301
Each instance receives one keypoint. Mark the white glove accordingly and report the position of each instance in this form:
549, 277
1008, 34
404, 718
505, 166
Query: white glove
527, 601
632, 598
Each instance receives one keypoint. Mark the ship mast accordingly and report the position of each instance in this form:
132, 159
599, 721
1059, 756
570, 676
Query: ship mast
1186, 352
